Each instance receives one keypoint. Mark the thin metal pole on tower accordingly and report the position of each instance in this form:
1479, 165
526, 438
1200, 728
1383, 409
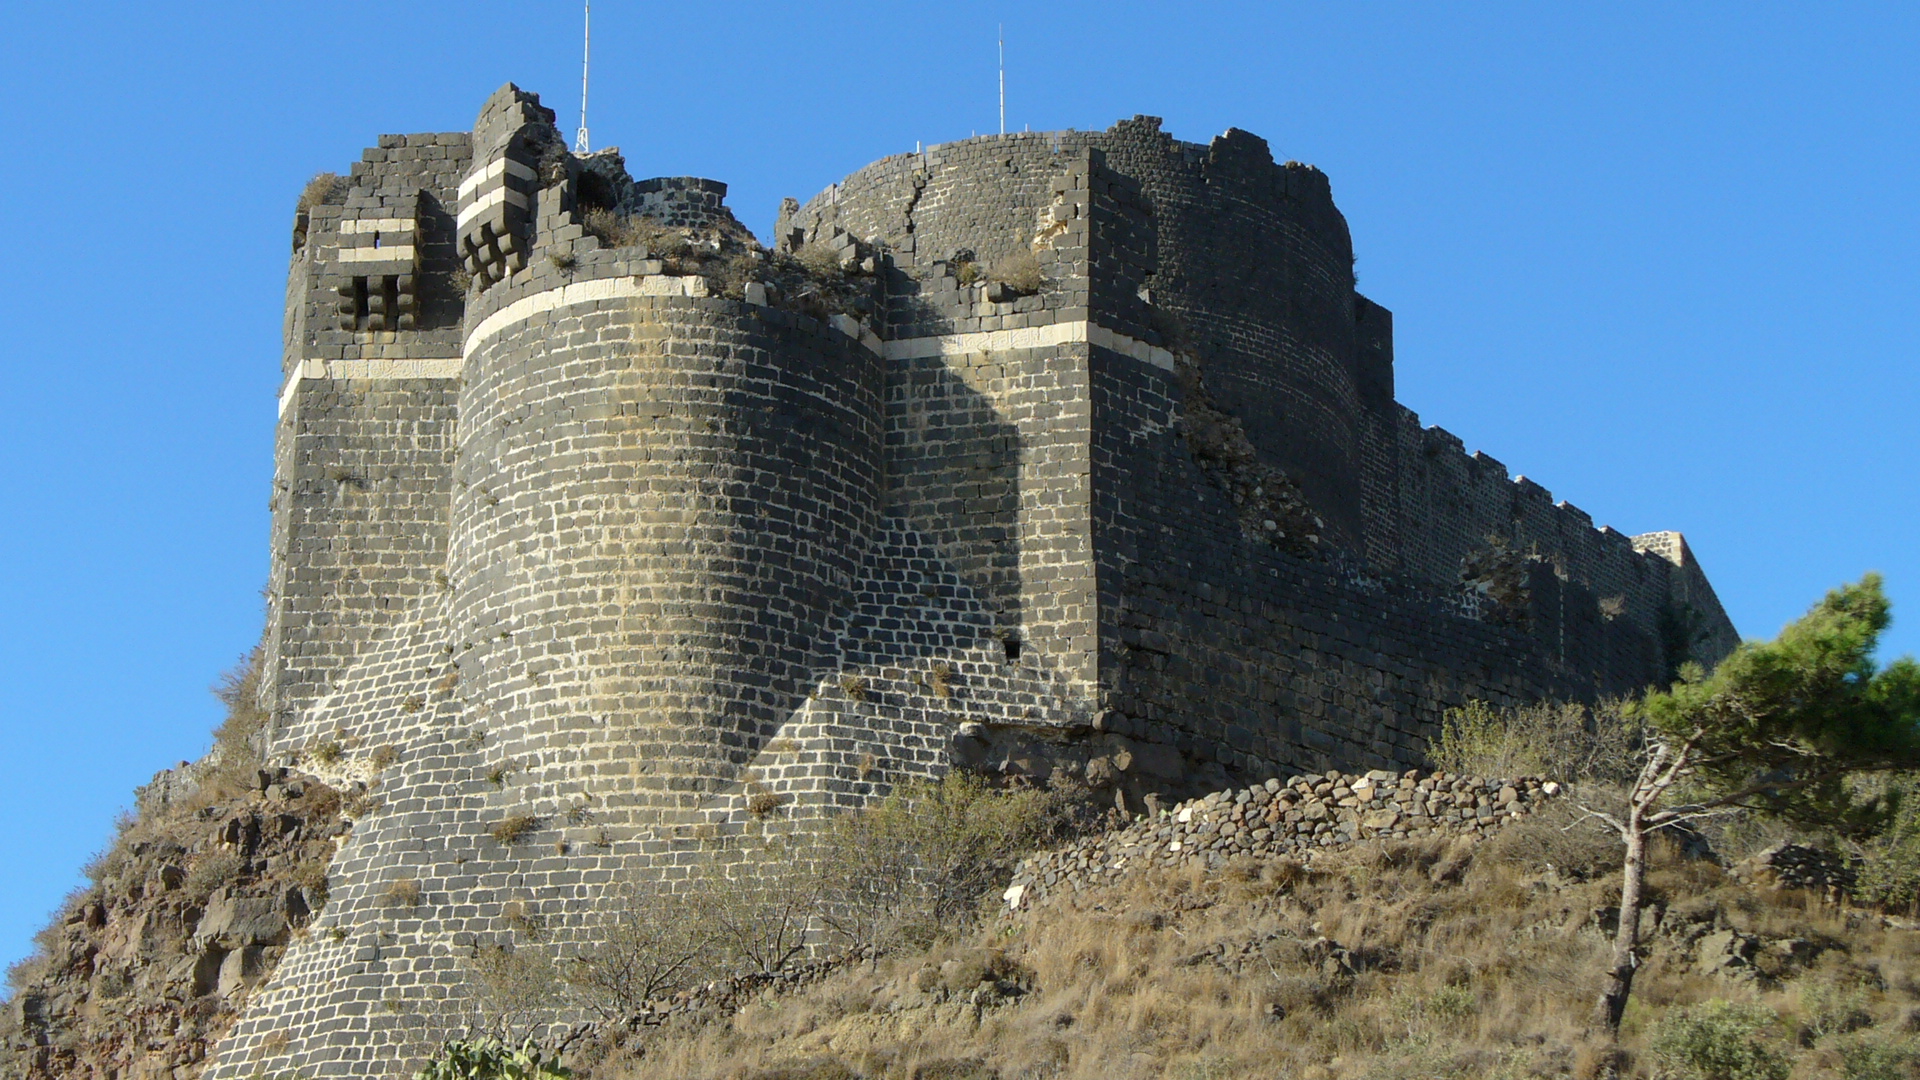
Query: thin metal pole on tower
1003, 78
586, 53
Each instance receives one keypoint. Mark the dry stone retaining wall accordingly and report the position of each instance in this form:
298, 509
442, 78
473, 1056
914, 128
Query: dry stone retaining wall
1294, 818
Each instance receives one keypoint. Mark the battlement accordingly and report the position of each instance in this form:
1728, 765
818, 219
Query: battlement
595, 514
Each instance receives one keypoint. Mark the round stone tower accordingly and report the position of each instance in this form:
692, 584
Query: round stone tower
659, 497
656, 499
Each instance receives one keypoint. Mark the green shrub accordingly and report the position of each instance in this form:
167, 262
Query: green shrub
1889, 860
1867, 1058
490, 1059
1720, 1040
1566, 741
921, 858
1827, 1009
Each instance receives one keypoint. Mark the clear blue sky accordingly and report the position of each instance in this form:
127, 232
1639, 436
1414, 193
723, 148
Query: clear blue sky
1661, 258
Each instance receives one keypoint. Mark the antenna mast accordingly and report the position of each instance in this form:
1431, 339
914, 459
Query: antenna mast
1003, 78
586, 52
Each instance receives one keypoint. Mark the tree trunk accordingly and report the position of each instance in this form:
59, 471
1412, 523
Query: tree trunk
1626, 940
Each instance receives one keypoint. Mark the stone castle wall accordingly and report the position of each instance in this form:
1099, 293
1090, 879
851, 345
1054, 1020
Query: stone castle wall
1237, 652
568, 534
364, 444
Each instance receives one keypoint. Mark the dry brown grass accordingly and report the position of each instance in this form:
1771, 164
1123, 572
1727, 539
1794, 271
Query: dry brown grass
1019, 272
761, 801
324, 188
820, 260
1358, 967
401, 893
941, 681
514, 828
632, 230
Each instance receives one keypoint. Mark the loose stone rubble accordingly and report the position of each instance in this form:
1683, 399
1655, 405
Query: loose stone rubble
1295, 817
1798, 866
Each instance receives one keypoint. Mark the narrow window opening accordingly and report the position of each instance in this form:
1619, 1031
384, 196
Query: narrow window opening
1013, 648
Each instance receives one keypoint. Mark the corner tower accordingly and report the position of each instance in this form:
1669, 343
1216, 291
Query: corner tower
363, 451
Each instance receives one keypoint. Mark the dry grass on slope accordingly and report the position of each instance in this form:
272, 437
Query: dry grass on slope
1399, 960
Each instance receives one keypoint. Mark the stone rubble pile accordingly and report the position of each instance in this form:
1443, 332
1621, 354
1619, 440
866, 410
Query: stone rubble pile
1294, 817
1797, 866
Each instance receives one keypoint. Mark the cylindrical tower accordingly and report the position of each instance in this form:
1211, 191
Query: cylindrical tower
659, 502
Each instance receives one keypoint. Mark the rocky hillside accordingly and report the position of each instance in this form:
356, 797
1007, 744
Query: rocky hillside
1229, 939
140, 974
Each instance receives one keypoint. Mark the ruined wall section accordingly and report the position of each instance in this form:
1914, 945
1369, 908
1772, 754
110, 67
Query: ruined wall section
1244, 655
1249, 659
1264, 305
1449, 507
363, 449
978, 200
1698, 625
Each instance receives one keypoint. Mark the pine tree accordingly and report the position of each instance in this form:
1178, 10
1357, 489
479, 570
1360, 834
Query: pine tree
1778, 728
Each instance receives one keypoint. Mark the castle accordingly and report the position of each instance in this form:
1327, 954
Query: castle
1043, 454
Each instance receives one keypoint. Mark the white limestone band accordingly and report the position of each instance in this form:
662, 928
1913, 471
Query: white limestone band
377, 225
438, 367
582, 292
490, 200
396, 253
500, 166
1048, 335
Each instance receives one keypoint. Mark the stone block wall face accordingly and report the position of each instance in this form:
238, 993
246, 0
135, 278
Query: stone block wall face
579, 545
1252, 661
987, 429
363, 450
1252, 268
660, 502
987, 461
364, 477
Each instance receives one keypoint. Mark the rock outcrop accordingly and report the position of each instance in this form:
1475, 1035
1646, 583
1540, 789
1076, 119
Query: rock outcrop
190, 909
